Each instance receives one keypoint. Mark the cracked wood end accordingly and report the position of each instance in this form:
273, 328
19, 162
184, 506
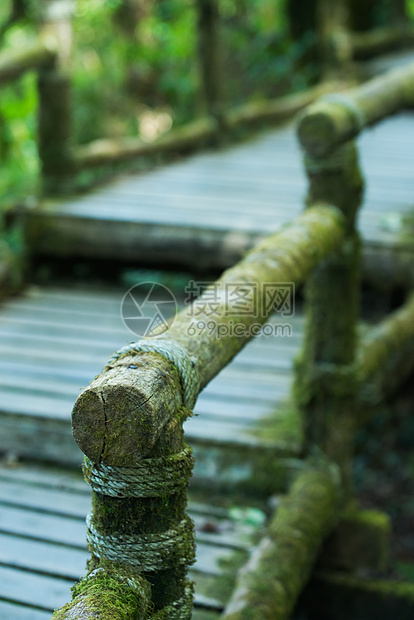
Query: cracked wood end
117, 420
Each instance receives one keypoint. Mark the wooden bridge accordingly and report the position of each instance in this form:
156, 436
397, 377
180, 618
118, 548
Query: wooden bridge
271, 491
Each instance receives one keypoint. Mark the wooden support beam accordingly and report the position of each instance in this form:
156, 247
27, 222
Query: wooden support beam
280, 566
277, 110
337, 118
198, 133
16, 63
106, 151
335, 52
55, 113
385, 358
381, 40
11, 269
210, 55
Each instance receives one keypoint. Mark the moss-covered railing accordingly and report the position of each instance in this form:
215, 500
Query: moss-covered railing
128, 422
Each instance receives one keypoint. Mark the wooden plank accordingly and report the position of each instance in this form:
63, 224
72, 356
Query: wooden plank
43, 527
53, 501
47, 593
10, 611
43, 558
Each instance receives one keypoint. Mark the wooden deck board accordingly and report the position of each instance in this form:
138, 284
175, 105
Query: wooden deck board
226, 199
54, 341
42, 542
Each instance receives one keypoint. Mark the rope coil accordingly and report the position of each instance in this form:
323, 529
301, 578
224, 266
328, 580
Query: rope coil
151, 477
148, 552
185, 364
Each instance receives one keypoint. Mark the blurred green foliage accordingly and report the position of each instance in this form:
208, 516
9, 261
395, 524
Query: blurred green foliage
136, 71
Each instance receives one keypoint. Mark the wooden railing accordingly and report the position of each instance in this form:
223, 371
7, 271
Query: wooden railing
128, 422
61, 159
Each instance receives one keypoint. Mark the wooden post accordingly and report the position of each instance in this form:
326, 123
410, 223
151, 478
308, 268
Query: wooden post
138, 525
326, 385
54, 128
210, 54
335, 50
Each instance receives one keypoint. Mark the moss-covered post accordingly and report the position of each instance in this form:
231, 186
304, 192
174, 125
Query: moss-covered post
325, 383
139, 476
335, 51
211, 57
55, 115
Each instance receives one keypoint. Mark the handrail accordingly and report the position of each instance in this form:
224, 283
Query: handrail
128, 422
380, 40
334, 119
385, 357
285, 257
34, 57
280, 566
106, 151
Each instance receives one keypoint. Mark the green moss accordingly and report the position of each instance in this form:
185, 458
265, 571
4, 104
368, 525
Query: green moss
285, 557
371, 518
114, 595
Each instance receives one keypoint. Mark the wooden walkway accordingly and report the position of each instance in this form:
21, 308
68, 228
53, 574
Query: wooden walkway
202, 211
208, 209
52, 342
43, 552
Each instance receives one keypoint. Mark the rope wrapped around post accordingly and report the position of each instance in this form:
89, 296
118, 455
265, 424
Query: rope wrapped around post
128, 422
